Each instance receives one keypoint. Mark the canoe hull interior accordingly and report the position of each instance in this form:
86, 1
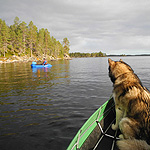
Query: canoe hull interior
92, 136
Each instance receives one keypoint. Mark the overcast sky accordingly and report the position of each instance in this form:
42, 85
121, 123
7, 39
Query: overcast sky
110, 26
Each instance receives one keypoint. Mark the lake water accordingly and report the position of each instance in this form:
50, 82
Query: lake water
43, 109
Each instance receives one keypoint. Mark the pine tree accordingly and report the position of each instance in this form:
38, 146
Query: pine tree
53, 45
32, 35
23, 29
4, 37
0, 37
40, 42
46, 41
66, 45
16, 22
12, 38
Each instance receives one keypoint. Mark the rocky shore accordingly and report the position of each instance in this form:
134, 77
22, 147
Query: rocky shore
15, 58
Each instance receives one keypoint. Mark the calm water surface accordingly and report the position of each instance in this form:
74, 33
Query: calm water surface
43, 109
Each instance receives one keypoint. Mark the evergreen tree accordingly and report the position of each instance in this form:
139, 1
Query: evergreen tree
46, 41
16, 22
4, 37
66, 45
32, 35
40, 42
1, 36
53, 45
23, 29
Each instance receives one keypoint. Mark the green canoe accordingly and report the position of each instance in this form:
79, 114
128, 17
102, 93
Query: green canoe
96, 133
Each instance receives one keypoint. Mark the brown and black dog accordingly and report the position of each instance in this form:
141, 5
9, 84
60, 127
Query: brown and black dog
132, 104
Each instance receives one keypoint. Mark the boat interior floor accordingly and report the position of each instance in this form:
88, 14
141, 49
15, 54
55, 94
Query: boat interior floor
108, 140
108, 137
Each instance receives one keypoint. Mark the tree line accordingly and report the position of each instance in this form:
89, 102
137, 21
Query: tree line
78, 54
21, 39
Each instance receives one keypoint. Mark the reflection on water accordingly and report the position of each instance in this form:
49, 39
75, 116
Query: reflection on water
40, 69
37, 72
44, 108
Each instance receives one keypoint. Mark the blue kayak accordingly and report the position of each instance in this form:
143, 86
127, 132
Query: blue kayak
34, 65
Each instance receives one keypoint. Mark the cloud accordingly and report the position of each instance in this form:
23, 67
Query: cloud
118, 26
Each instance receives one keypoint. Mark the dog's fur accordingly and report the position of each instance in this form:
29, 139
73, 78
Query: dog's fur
132, 104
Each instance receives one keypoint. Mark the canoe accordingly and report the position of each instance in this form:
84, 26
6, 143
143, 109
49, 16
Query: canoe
34, 65
96, 133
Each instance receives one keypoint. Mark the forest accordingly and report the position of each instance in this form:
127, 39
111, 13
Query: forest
78, 54
21, 39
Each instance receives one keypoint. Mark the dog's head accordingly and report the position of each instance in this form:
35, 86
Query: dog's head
118, 68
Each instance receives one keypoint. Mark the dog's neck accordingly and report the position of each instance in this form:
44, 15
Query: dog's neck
123, 74
117, 81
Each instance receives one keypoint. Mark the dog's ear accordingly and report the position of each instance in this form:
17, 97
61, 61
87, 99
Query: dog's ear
121, 60
111, 62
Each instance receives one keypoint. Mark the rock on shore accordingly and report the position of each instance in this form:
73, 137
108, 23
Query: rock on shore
66, 56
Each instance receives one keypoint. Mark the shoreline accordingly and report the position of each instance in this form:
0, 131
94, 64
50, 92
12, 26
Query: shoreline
50, 58
15, 58
30, 60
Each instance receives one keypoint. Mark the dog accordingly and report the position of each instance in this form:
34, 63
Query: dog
132, 105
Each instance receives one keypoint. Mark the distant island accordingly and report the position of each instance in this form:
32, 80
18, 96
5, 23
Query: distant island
79, 55
24, 41
100, 54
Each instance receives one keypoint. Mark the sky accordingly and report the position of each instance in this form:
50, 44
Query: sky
110, 26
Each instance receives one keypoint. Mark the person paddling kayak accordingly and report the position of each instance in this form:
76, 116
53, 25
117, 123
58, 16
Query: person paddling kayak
44, 62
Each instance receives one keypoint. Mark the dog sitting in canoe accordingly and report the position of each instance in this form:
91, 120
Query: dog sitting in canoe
132, 104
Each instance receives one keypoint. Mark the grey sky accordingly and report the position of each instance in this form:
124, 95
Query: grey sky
110, 26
